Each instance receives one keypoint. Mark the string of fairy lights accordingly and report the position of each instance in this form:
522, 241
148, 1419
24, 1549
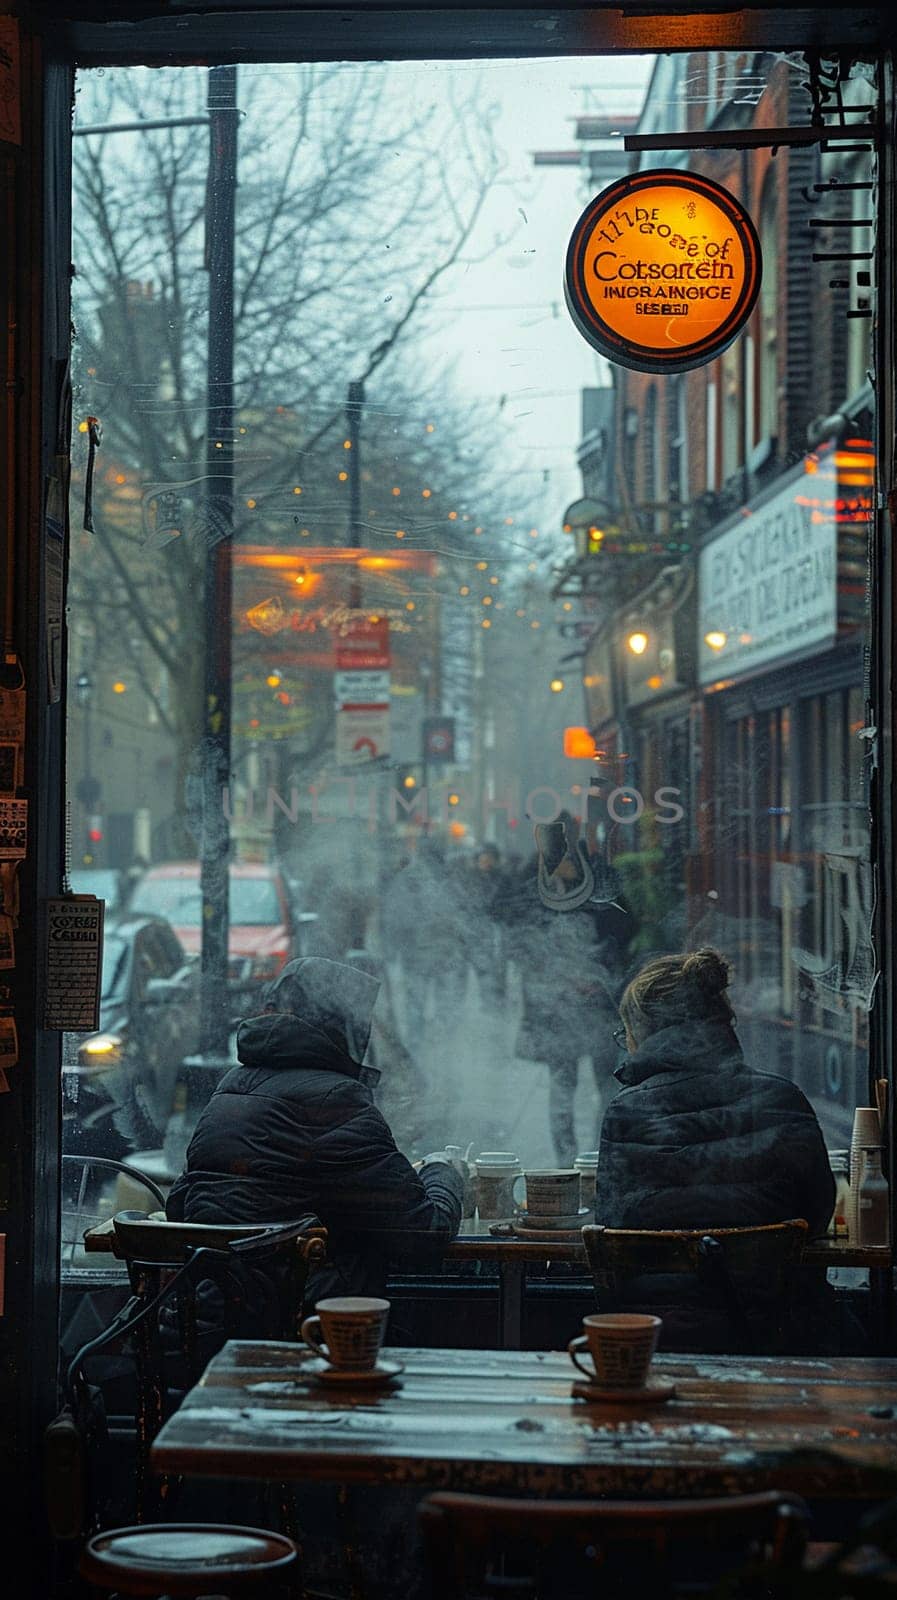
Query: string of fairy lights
489, 588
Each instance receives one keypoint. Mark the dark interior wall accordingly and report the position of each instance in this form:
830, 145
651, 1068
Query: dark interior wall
32, 386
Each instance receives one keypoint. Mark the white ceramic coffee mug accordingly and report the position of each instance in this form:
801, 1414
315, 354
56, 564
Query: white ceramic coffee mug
347, 1331
620, 1346
550, 1193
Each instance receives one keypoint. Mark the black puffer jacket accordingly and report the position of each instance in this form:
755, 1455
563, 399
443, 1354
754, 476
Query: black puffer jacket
696, 1139
292, 1130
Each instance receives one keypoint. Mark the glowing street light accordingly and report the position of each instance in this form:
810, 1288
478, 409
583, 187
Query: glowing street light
637, 643
715, 639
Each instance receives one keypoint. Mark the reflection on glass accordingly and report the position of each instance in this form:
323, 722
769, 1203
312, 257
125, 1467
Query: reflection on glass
481, 583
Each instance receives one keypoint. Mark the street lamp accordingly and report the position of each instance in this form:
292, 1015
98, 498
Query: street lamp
83, 689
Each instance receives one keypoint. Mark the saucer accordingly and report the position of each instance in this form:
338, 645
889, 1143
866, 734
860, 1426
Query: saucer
385, 1372
529, 1219
652, 1394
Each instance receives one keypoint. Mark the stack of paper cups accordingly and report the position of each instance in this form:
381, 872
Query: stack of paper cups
866, 1135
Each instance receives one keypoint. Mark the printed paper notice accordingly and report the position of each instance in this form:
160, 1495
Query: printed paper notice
13, 829
74, 962
9, 1043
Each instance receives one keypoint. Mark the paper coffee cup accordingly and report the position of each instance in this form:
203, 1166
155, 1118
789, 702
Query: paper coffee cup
495, 1171
587, 1167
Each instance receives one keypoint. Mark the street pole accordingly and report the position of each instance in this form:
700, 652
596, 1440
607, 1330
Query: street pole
354, 405
216, 745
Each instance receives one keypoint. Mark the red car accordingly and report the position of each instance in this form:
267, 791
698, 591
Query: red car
261, 935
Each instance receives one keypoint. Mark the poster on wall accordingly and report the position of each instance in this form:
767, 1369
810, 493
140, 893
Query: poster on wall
74, 962
13, 829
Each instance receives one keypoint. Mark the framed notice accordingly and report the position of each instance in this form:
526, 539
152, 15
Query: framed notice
74, 962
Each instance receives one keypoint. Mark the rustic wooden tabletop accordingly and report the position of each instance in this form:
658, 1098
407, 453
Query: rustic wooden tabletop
506, 1420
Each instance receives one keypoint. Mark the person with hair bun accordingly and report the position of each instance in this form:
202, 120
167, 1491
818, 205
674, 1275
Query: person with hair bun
696, 1138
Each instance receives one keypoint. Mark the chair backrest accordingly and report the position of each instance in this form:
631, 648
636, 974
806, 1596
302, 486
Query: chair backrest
726, 1262
136, 1237
558, 1549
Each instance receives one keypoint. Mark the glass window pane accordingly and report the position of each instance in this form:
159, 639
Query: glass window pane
385, 583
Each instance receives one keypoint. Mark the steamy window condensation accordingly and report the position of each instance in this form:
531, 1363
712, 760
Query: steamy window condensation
479, 590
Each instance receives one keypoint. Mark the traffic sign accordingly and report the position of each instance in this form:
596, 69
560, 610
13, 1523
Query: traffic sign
361, 735
439, 739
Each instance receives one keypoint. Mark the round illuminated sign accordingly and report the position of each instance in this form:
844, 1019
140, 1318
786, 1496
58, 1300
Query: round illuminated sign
663, 271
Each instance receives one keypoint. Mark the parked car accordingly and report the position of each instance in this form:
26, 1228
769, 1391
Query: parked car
119, 1082
105, 882
262, 932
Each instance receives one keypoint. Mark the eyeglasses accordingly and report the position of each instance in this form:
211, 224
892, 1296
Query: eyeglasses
619, 1035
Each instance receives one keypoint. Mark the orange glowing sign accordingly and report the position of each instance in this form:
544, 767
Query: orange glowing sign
578, 744
663, 271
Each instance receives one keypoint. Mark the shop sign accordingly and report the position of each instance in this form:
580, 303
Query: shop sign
362, 646
361, 689
663, 270
767, 587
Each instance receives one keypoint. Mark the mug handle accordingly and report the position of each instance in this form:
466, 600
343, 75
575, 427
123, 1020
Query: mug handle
575, 1345
306, 1330
520, 1178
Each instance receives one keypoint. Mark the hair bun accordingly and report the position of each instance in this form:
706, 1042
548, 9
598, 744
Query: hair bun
708, 969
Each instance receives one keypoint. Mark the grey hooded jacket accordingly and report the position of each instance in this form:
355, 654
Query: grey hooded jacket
293, 1129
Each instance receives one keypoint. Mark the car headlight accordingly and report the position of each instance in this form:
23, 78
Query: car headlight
101, 1050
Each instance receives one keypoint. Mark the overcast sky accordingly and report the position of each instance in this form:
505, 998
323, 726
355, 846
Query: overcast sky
507, 315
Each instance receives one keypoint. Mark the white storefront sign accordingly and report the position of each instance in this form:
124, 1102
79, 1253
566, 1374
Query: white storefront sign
768, 586
361, 688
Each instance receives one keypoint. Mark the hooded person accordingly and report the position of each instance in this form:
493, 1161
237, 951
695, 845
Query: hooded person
293, 1129
696, 1138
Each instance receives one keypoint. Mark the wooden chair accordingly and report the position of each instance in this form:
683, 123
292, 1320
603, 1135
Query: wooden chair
254, 1276
604, 1549
722, 1271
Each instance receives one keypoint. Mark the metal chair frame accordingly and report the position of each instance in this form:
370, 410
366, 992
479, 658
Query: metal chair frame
166, 1262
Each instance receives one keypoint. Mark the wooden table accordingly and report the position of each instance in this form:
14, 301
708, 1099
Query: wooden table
505, 1421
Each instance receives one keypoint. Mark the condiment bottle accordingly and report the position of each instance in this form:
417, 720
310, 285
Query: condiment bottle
872, 1209
839, 1161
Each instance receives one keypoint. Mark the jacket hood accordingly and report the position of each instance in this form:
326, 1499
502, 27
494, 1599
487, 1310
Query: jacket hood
323, 1016
684, 1046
